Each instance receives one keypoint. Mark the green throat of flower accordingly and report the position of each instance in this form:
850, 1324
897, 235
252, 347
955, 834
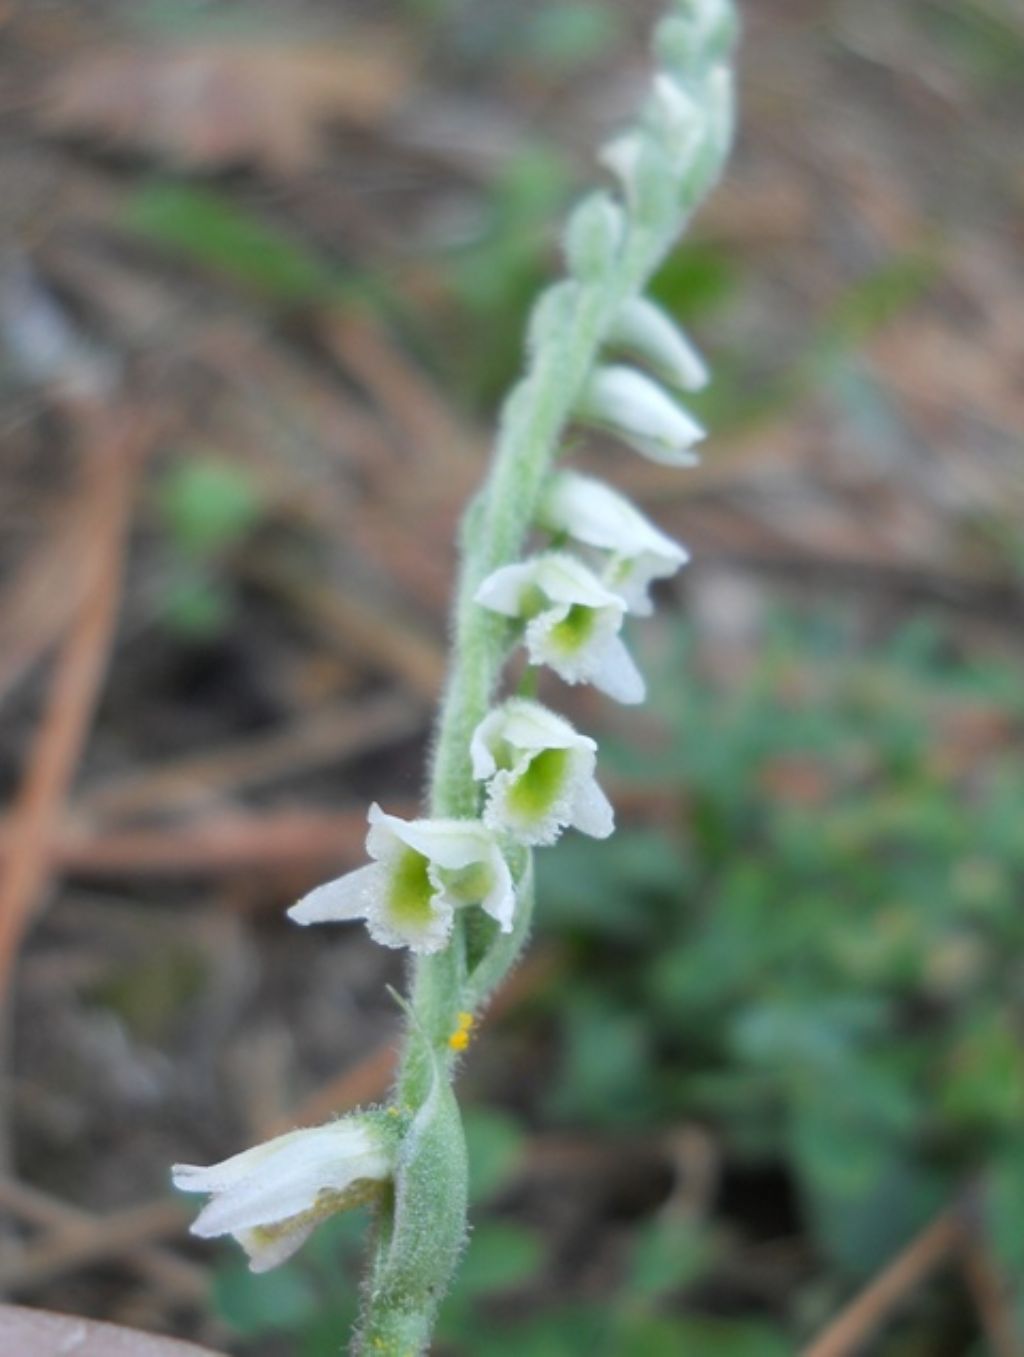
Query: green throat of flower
412, 891
536, 790
574, 631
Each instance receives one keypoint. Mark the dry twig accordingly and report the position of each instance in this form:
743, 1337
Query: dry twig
866, 1313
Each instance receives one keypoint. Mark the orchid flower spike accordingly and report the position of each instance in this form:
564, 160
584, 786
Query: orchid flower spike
635, 407
273, 1196
596, 515
572, 621
540, 775
422, 871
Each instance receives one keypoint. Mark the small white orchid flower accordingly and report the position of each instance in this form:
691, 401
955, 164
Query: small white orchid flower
636, 408
423, 870
645, 330
598, 516
572, 621
273, 1196
539, 772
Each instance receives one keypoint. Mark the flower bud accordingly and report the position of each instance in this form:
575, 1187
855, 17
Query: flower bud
648, 333
631, 405
594, 236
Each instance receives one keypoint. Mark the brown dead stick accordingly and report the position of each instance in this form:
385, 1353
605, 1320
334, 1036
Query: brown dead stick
181, 1281
991, 1298
846, 1335
225, 846
236, 843
325, 737
97, 1239
111, 454
363, 633
429, 428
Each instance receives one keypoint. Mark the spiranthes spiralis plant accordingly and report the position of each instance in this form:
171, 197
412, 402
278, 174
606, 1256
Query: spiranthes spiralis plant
508, 774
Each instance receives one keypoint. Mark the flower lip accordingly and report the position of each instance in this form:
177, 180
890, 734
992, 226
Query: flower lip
577, 635
540, 774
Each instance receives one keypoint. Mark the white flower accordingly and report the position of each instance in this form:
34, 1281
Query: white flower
540, 774
638, 410
273, 1196
645, 330
598, 516
423, 870
572, 621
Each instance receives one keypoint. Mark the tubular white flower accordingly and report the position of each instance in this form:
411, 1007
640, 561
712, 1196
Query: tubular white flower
273, 1196
647, 332
598, 516
636, 408
423, 870
572, 621
539, 772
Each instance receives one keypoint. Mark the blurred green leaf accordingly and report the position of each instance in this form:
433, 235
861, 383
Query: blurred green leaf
668, 1253
207, 504
495, 1144
500, 1255
570, 33
213, 231
280, 1300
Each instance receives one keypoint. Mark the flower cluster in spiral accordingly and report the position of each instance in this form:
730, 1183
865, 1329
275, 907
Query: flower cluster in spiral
568, 603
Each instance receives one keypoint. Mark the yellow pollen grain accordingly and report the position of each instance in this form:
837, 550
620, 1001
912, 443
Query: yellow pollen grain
459, 1041
465, 1021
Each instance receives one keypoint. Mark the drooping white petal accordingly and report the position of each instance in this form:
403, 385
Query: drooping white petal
270, 1197
614, 672
648, 333
500, 900
348, 897
592, 812
636, 408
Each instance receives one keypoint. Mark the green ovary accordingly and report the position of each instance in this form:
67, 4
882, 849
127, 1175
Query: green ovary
411, 889
573, 632
533, 794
